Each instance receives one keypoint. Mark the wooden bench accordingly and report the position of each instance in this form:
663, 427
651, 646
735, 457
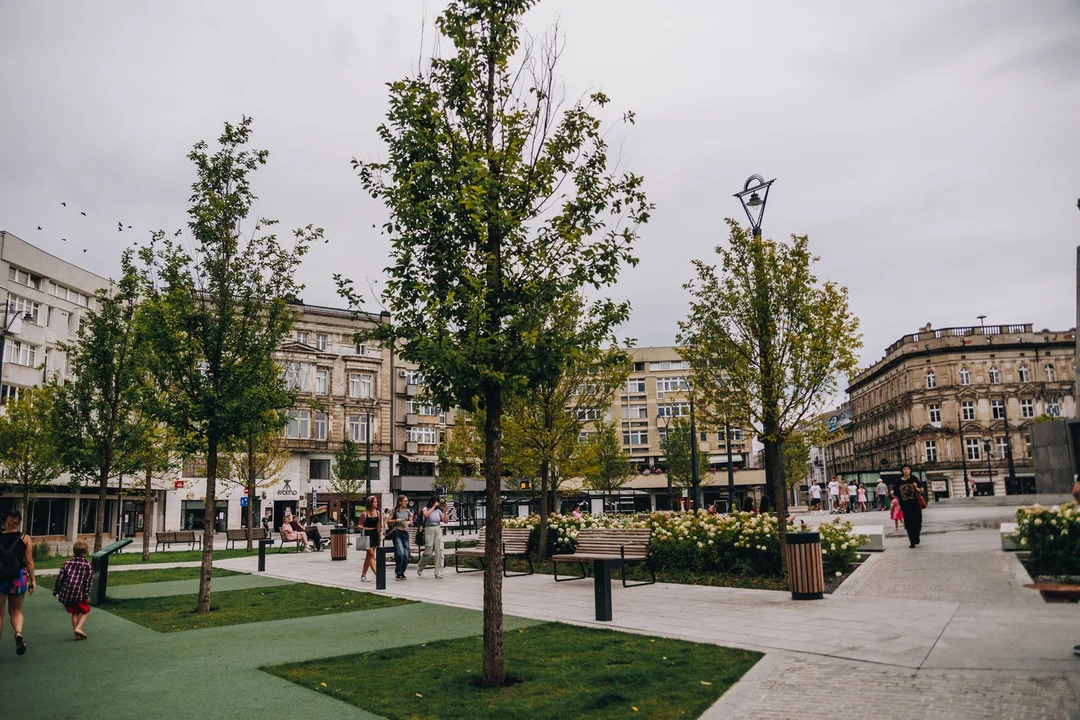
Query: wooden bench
515, 543
179, 537
298, 543
622, 545
232, 536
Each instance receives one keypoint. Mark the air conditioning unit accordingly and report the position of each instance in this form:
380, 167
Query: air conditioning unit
412, 390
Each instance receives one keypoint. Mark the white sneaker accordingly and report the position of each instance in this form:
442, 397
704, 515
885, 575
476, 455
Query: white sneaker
419, 571
363, 578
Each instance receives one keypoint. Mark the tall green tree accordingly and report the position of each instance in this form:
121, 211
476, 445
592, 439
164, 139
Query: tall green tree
30, 447
97, 411
501, 203
349, 476
253, 463
156, 461
678, 456
606, 465
216, 314
767, 340
458, 454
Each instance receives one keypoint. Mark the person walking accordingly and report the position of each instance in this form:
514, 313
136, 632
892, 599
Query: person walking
862, 498
834, 496
909, 491
72, 588
853, 496
433, 539
401, 520
895, 514
844, 495
373, 531
815, 499
882, 494
17, 576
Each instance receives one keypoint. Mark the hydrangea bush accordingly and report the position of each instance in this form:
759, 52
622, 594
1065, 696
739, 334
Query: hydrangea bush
1052, 535
740, 543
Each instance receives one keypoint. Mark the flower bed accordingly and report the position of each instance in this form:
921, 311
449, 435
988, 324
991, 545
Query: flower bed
1052, 536
696, 542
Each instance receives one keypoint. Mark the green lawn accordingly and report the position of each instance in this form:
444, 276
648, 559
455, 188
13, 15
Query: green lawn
236, 607
139, 577
564, 671
134, 557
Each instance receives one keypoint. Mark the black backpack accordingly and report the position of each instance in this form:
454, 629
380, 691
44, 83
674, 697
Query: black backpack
9, 564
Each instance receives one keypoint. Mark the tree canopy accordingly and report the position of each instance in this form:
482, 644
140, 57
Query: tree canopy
30, 449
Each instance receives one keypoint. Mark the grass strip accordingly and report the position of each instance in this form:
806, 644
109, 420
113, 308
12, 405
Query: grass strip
236, 607
140, 577
561, 671
135, 558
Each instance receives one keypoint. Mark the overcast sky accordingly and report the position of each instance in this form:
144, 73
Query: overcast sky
931, 150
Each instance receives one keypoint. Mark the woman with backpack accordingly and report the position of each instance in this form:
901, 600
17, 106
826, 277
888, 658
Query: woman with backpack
17, 576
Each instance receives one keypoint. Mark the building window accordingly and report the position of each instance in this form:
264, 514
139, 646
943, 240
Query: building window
359, 385
1025, 373
635, 412
423, 435
1027, 408
1002, 447
320, 382
997, 408
639, 367
414, 377
20, 306
635, 385
298, 376
320, 426
422, 408
935, 414
9, 392
302, 337
974, 449
635, 437
995, 375
704, 436
20, 353
193, 514
194, 467
1049, 370
673, 410
358, 429
965, 376
48, 516
299, 425
671, 384
670, 365
931, 451
1053, 407
931, 379
587, 414
24, 278
968, 409
736, 434
319, 470
320, 342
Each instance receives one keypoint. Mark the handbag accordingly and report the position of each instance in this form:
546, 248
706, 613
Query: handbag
921, 498
363, 542
420, 540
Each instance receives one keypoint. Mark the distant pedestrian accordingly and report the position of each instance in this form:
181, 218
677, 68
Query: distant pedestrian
862, 499
815, 499
373, 526
748, 503
882, 494
17, 576
433, 538
845, 495
896, 514
267, 522
853, 496
401, 520
72, 588
910, 493
834, 495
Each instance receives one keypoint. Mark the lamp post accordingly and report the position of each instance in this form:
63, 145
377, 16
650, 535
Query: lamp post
730, 468
753, 197
369, 405
1008, 444
963, 457
987, 446
695, 481
667, 472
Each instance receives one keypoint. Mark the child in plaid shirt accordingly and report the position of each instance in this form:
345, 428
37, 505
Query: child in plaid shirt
72, 588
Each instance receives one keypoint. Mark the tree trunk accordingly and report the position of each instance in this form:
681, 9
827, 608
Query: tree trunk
250, 507
774, 466
494, 671
545, 479
209, 523
148, 515
25, 508
99, 526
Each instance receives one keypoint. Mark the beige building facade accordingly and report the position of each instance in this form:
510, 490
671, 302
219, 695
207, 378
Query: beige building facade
957, 401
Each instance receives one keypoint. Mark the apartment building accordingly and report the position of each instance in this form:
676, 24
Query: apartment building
420, 425
959, 402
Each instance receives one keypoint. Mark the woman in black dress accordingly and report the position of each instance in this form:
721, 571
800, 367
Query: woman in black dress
909, 491
373, 523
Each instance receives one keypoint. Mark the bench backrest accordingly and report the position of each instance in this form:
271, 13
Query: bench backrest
607, 541
514, 540
183, 536
242, 533
166, 537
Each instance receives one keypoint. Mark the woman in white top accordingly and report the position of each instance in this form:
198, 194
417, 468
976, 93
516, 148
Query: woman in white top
433, 518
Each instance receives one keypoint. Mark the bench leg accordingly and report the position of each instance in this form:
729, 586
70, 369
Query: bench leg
636, 584
457, 567
528, 561
568, 579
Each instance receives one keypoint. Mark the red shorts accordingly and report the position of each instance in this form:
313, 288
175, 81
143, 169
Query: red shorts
78, 608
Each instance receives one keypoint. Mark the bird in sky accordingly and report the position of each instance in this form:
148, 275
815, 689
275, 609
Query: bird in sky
82, 213
64, 239
84, 249
64, 204
38, 227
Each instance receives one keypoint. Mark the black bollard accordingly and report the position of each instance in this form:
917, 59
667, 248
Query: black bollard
262, 554
380, 566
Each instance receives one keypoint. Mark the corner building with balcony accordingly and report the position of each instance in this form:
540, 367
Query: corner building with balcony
939, 400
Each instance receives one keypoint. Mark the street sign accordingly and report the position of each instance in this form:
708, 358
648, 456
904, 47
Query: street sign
243, 502
314, 498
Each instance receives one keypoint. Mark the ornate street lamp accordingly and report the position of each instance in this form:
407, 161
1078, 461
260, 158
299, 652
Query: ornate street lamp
753, 197
987, 446
369, 405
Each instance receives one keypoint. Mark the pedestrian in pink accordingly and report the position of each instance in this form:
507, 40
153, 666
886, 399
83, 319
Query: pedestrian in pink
862, 498
896, 514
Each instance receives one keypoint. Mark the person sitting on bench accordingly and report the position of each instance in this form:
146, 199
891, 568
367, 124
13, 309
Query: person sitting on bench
312, 533
292, 535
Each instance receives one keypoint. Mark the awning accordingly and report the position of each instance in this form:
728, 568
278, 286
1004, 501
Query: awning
714, 459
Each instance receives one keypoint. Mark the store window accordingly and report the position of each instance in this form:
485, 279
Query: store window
48, 516
319, 470
87, 520
193, 515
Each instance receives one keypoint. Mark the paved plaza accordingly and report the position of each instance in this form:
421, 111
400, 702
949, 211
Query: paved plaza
943, 631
